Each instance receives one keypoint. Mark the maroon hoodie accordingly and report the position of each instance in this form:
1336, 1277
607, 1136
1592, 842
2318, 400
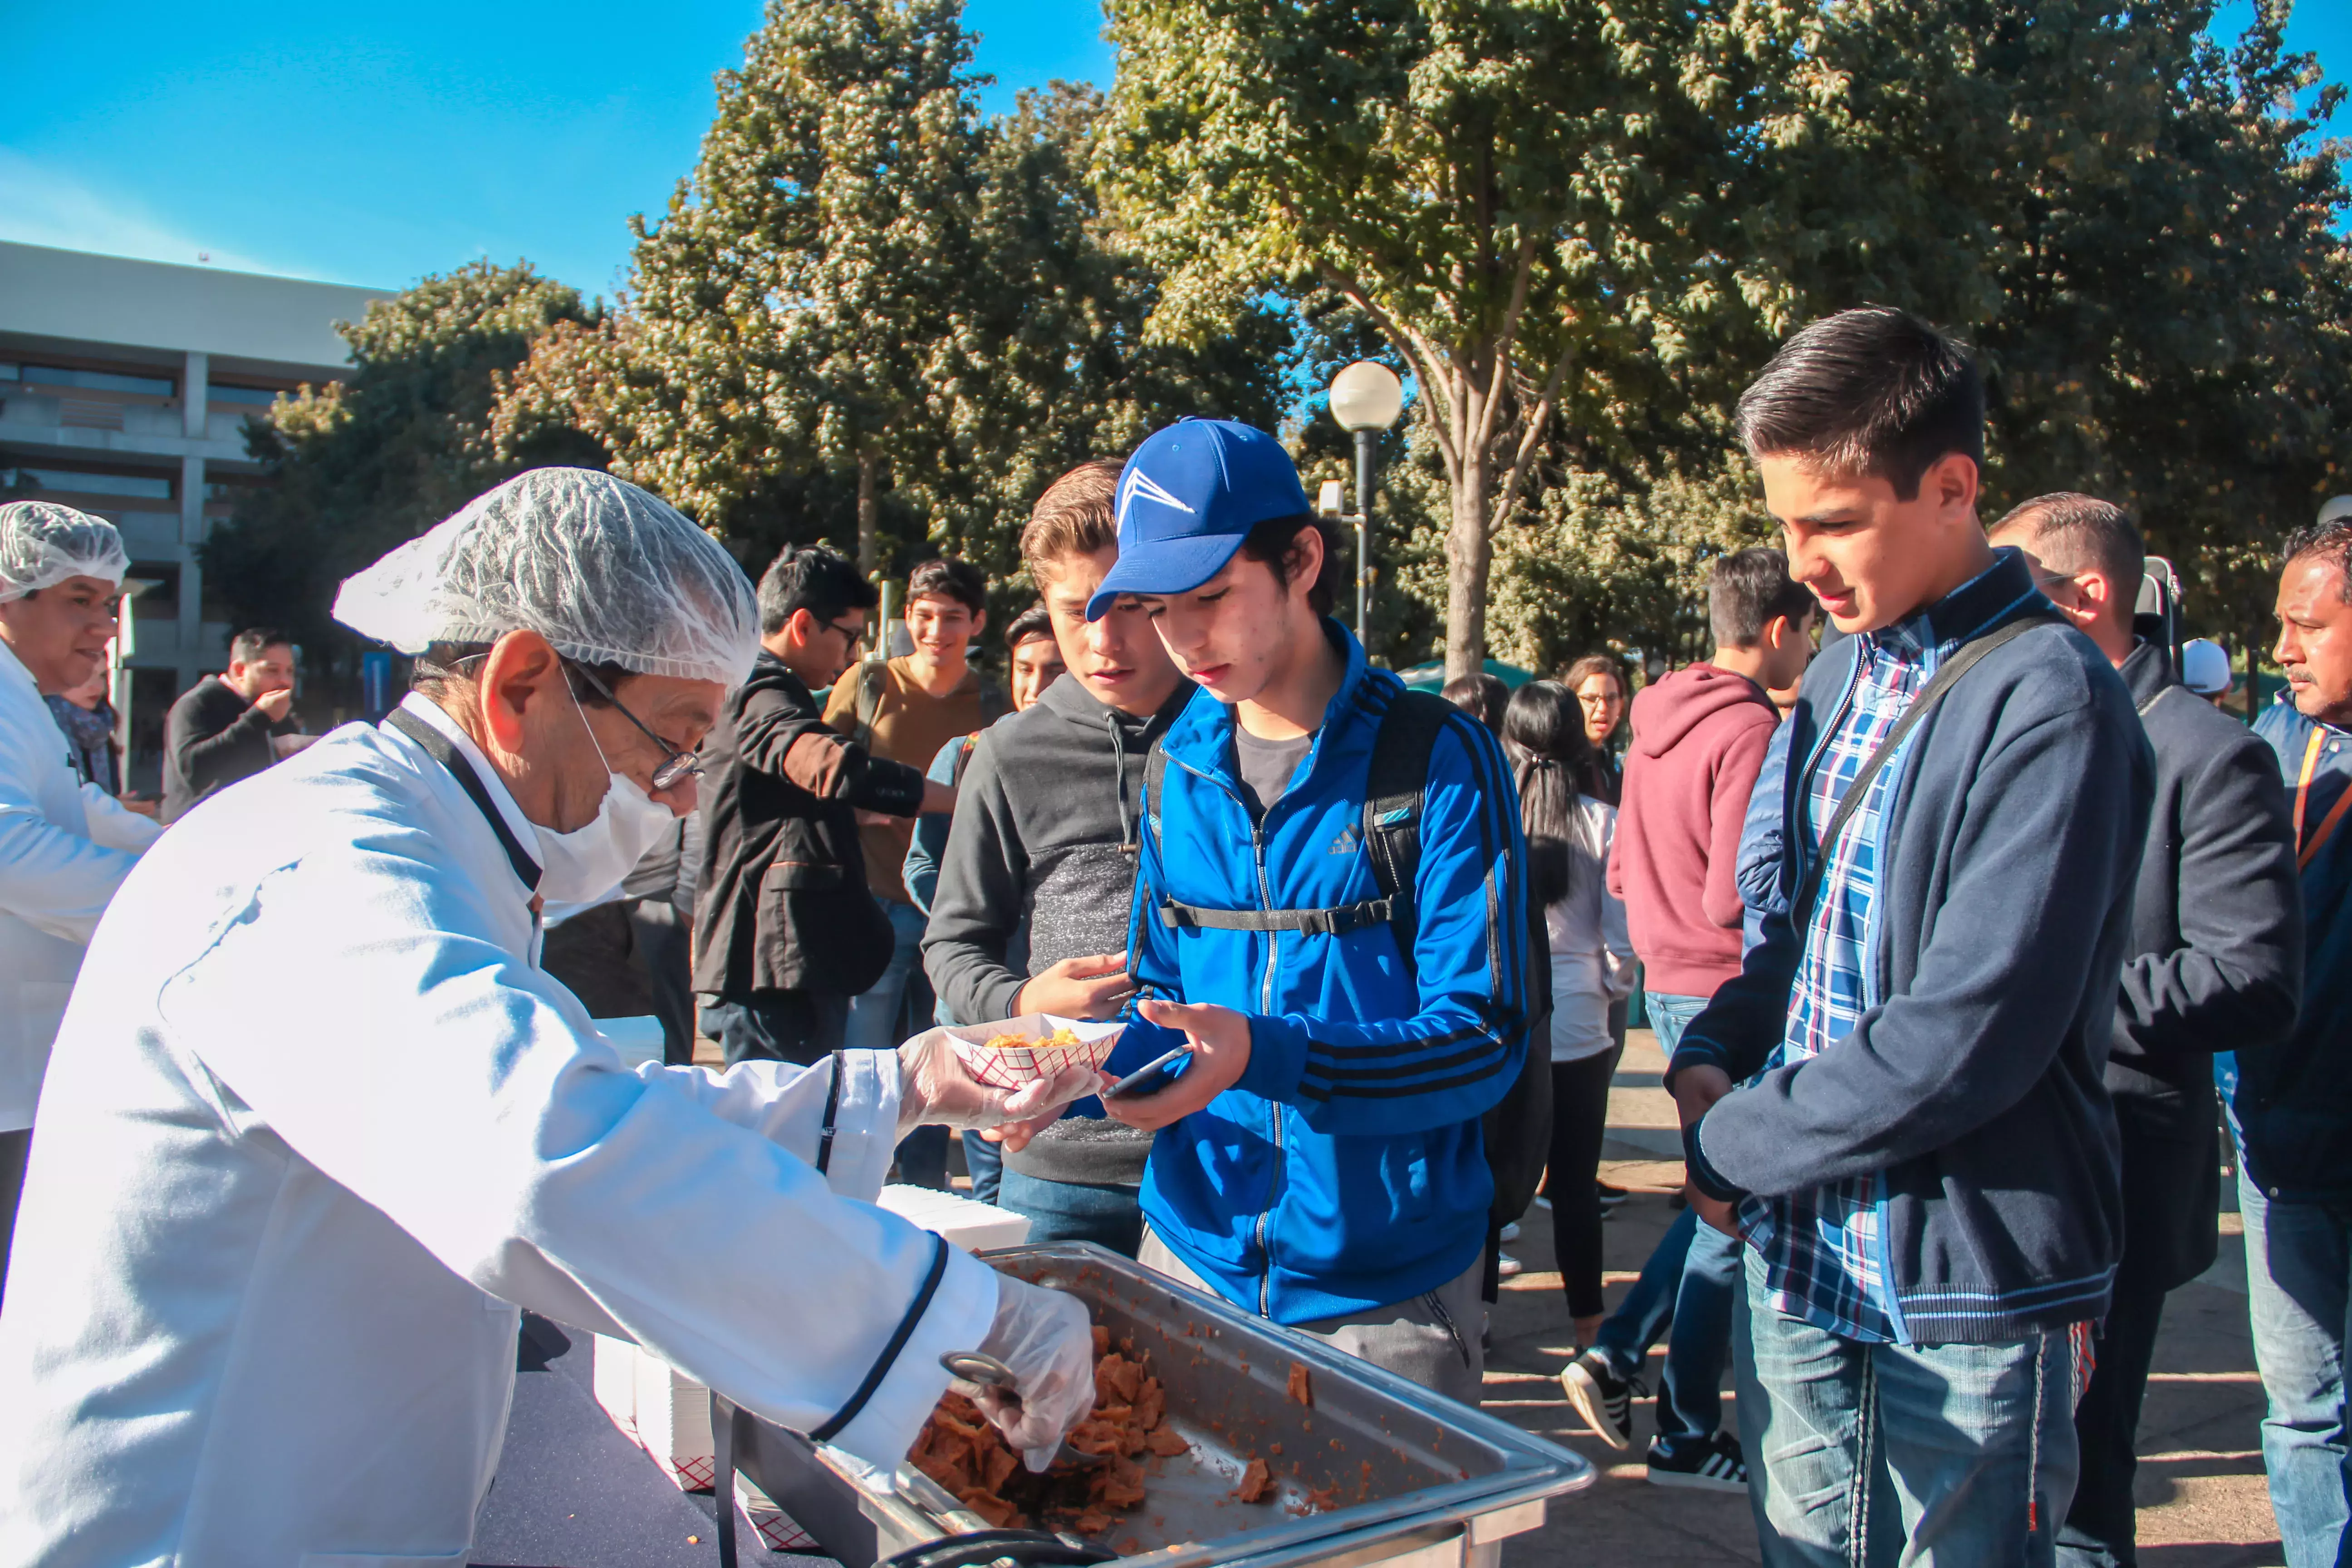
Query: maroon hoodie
1699, 736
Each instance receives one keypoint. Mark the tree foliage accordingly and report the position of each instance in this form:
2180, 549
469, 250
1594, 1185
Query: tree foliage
872, 314
361, 464
2134, 223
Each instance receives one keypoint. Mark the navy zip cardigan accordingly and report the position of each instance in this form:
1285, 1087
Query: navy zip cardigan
2008, 857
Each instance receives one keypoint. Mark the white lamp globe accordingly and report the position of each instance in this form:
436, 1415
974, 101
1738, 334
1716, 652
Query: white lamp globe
1367, 396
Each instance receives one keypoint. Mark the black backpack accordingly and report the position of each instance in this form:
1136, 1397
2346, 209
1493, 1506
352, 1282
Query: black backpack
1518, 1129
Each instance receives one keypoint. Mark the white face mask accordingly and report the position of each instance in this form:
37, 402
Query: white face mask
590, 862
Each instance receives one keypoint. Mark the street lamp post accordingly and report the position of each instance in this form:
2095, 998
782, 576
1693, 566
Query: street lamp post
1366, 398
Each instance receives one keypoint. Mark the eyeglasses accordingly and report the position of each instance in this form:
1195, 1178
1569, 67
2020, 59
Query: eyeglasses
854, 636
678, 767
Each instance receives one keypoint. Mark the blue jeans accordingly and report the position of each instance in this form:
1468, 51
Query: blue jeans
1691, 1281
2298, 1283
1076, 1211
880, 1018
1952, 1456
986, 1161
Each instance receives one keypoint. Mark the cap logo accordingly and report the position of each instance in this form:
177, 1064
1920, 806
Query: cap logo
1138, 482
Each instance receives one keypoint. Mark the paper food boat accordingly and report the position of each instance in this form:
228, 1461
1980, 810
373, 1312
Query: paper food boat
1010, 1066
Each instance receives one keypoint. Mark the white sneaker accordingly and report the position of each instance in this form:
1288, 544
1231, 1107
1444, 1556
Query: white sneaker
1511, 1231
1506, 1266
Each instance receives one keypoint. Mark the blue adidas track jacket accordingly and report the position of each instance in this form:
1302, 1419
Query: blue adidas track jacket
1346, 1171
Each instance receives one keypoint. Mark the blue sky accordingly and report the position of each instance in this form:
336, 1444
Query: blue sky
374, 144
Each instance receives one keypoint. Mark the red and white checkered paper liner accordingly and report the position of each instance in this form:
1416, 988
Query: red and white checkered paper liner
1010, 1067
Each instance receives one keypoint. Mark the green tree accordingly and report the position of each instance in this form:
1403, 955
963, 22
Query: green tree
872, 315
2136, 223
359, 465
1529, 200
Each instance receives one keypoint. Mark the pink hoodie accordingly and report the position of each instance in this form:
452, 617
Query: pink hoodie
1699, 736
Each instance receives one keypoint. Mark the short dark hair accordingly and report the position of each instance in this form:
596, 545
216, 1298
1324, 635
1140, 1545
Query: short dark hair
1746, 591
1078, 515
949, 578
1033, 622
1483, 696
251, 643
1273, 541
814, 579
2073, 530
2331, 541
1871, 391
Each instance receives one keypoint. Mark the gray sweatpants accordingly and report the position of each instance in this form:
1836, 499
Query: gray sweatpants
1433, 1339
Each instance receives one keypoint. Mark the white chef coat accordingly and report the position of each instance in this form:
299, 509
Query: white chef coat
317, 1124
65, 847
1591, 954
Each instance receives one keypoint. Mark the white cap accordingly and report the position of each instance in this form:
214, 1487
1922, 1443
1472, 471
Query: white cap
608, 574
43, 544
2335, 508
2205, 668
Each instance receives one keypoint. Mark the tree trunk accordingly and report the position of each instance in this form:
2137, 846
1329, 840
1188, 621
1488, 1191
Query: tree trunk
1469, 551
869, 514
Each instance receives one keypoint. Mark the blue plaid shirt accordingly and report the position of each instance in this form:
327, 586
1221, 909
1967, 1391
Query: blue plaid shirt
1824, 1260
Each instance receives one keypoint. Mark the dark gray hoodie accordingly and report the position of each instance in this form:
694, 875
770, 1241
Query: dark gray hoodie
1040, 867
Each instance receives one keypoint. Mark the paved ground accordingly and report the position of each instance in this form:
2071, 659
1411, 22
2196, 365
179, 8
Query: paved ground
2202, 1502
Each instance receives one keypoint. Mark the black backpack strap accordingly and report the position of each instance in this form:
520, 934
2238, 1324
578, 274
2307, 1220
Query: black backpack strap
1946, 675
1395, 793
1337, 921
871, 677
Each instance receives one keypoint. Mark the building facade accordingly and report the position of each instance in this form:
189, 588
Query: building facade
124, 389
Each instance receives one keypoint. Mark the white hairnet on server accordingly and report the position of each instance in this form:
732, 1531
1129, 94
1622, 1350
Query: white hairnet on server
42, 544
608, 574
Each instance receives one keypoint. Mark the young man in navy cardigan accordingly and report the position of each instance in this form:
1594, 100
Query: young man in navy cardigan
1920, 1155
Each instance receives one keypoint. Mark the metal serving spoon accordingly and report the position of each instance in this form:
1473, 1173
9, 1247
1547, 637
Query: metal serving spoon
984, 1371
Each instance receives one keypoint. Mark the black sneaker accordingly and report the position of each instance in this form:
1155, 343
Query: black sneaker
1610, 1196
1603, 1399
1715, 1465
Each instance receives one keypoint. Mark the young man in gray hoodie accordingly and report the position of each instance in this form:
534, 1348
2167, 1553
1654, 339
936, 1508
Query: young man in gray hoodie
1036, 884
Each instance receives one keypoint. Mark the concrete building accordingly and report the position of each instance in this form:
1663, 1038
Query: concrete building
124, 388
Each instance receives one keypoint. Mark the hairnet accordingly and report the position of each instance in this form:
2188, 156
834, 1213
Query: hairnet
605, 572
43, 544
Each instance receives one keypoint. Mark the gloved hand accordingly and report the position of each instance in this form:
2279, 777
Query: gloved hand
1048, 1340
936, 1091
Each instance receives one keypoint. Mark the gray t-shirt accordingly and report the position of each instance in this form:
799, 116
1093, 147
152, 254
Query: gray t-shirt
1265, 767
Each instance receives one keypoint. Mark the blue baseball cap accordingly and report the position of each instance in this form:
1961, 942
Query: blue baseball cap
1187, 499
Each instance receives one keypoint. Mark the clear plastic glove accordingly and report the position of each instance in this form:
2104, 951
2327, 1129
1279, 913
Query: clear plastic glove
1048, 1340
936, 1091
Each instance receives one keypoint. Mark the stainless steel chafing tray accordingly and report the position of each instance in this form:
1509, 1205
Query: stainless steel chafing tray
1404, 1476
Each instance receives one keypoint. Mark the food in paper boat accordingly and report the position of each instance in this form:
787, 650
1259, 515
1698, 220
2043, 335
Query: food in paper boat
1023, 1050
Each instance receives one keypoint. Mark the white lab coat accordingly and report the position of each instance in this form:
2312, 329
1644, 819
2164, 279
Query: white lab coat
65, 847
318, 1123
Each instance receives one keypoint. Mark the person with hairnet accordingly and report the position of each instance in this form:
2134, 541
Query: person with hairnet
319, 1125
65, 845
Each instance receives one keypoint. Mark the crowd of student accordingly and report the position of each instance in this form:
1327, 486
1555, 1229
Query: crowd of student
1970, 948
1949, 927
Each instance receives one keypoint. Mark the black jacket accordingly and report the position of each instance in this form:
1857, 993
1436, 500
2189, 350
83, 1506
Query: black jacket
2215, 964
782, 902
212, 737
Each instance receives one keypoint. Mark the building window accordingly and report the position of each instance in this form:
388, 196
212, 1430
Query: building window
59, 376
75, 481
253, 397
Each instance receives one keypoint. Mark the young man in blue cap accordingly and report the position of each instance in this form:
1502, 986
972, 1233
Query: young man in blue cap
1319, 1157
